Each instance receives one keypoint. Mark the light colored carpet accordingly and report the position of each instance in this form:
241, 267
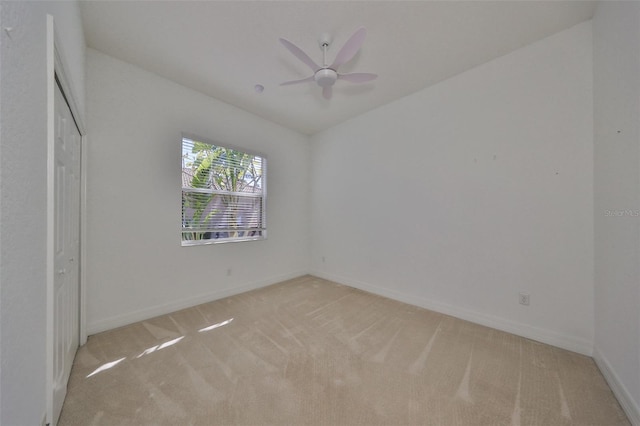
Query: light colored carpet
309, 351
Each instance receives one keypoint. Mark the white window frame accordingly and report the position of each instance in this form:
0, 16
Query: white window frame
263, 195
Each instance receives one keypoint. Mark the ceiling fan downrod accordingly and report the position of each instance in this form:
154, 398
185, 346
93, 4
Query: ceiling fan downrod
325, 76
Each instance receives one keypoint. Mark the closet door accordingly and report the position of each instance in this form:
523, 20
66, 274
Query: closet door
66, 249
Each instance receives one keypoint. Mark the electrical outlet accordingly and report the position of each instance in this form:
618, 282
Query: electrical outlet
229, 272
523, 298
323, 259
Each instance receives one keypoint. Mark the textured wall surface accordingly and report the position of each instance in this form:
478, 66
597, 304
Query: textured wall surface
23, 200
616, 27
462, 195
135, 264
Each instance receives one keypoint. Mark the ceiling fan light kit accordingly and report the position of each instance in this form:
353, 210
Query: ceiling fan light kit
326, 75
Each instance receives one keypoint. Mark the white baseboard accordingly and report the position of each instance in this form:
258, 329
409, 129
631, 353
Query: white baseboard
154, 311
571, 343
630, 407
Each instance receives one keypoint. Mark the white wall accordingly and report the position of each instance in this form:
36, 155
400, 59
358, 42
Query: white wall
617, 199
23, 159
459, 196
136, 265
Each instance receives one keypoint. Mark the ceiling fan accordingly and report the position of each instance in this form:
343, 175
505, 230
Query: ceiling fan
326, 75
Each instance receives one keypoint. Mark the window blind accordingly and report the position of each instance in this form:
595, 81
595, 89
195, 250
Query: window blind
223, 193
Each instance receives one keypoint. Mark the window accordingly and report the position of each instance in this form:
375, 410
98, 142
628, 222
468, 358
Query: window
223, 193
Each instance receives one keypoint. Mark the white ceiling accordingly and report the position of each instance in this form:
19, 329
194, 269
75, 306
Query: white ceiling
223, 49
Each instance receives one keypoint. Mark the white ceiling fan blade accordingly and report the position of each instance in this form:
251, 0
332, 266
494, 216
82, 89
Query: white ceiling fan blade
358, 77
302, 80
350, 48
327, 91
298, 53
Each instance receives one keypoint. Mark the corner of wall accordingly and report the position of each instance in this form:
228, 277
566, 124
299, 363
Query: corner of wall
630, 407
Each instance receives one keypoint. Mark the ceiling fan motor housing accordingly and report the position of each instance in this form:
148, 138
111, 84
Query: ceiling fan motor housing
325, 77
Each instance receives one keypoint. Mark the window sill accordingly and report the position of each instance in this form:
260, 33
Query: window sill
190, 243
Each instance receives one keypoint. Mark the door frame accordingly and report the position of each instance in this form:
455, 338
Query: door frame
56, 68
